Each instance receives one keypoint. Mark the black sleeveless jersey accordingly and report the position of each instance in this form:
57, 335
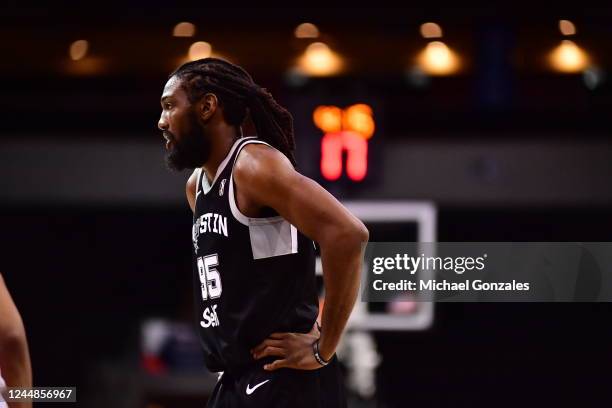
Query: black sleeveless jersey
252, 276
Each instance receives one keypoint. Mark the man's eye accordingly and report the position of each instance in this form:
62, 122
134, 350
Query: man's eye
168, 106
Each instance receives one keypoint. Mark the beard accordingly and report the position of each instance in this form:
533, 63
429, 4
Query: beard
191, 150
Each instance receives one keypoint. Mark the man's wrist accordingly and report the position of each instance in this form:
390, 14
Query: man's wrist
317, 354
327, 356
324, 352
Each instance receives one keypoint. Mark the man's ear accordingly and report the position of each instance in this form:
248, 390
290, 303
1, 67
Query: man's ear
207, 106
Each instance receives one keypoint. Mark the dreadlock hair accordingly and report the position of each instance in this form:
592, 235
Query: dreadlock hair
237, 93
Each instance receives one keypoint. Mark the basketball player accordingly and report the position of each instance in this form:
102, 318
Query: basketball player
255, 220
14, 356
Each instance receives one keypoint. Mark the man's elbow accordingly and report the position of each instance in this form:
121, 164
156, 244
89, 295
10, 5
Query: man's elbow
13, 340
362, 233
355, 234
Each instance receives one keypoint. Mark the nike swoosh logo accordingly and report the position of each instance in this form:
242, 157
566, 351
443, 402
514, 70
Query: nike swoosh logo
197, 193
250, 390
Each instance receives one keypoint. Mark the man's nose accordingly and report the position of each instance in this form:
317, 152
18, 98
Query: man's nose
162, 124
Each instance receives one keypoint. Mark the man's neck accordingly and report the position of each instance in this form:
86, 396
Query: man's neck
220, 151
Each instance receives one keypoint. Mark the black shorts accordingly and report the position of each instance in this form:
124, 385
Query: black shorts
285, 387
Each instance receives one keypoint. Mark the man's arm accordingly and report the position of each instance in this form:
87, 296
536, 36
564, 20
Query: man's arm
14, 354
265, 178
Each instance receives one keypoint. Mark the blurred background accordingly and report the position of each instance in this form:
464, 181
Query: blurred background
473, 124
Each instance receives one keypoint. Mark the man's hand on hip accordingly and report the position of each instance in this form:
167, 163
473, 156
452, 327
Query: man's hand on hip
295, 350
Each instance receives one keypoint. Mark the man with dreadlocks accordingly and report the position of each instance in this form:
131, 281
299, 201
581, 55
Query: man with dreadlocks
255, 220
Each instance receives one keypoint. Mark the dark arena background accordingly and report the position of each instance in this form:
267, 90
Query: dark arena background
493, 121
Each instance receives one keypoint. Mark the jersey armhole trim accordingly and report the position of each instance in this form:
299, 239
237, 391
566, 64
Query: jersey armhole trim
270, 236
238, 215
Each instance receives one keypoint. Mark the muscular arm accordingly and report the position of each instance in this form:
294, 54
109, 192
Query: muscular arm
14, 355
265, 178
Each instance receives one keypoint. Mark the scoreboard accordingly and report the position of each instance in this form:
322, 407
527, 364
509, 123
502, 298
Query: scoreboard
339, 139
344, 130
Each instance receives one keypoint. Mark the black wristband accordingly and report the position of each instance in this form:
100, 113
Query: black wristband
317, 354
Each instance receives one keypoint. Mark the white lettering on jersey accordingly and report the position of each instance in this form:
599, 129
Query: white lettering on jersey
210, 280
210, 318
203, 225
223, 225
215, 223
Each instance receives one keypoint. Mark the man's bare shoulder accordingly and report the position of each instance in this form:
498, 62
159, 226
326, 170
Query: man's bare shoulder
257, 162
193, 180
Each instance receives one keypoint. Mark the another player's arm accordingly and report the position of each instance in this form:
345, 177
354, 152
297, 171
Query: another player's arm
14, 354
191, 189
266, 178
